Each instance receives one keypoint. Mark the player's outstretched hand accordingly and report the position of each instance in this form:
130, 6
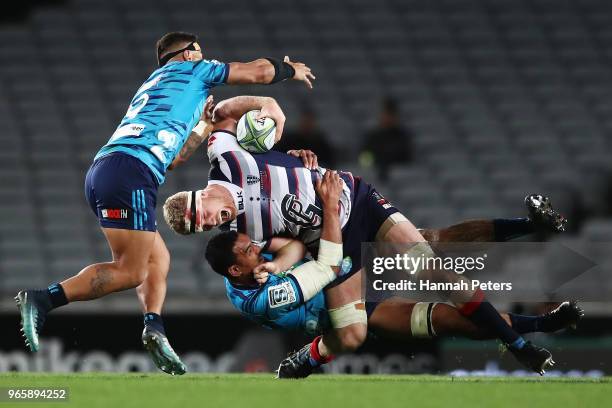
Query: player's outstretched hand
302, 72
309, 158
262, 272
208, 112
271, 109
329, 189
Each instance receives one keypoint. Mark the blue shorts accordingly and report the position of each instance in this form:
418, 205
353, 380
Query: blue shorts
122, 192
370, 210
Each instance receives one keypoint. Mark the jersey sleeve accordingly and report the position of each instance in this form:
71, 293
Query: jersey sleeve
224, 158
211, 72
220, 142
280, 295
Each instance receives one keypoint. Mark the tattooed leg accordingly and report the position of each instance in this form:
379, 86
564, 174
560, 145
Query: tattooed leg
102, 278
131, 251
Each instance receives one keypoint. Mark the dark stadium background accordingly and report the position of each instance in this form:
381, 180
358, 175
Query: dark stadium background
498, 98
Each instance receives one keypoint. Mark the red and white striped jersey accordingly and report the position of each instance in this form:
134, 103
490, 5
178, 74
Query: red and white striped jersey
274, 193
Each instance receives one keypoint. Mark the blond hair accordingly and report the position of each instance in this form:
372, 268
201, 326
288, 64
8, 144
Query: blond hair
174, 212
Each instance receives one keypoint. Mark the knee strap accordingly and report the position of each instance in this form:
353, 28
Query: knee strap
392, 220
421, 323
348, 314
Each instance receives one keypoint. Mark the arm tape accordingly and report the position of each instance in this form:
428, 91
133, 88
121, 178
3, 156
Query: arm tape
199, 128
312, 277
330, 253
282, 70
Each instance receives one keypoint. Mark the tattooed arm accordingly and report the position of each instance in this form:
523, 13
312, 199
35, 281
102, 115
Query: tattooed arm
197, 136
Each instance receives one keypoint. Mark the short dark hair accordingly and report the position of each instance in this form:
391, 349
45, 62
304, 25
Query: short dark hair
170, 39
220, 252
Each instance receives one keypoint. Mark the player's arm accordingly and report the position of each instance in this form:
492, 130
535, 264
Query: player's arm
287, 252
268, 71
229, 111
197, 136
313, 276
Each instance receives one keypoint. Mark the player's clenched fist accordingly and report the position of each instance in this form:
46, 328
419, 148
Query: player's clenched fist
329, 188
261, 272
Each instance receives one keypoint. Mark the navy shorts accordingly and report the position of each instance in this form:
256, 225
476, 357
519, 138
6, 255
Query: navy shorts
370, 308
370, 210
122, 192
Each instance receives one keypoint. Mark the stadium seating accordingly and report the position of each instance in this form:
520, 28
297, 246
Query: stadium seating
505, 97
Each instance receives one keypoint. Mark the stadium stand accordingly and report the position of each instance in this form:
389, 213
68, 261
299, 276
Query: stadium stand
506, 97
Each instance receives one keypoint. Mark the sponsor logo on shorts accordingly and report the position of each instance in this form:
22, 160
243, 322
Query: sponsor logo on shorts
114, 213
281, 295
381, 200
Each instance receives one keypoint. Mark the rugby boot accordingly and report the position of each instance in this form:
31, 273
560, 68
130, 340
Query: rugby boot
296, 365
33, 307
534, 357
543, 215
567, 314
161, 352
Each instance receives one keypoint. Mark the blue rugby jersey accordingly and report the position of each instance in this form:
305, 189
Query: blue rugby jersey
164, 111
278, 304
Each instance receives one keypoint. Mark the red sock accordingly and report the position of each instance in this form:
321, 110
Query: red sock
314, 353
471, 306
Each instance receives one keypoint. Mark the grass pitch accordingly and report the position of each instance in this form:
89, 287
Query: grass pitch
254, 391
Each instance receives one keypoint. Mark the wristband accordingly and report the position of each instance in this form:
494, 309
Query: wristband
282, 70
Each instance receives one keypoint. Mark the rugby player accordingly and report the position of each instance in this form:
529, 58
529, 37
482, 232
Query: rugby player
280, 303
273, 194
160, 130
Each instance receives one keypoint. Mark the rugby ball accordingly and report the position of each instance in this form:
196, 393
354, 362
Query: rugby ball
255, 135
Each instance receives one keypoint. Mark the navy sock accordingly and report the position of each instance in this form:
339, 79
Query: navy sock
541, 323
505, 229
42, 299
155, 321
57, 295
483, 314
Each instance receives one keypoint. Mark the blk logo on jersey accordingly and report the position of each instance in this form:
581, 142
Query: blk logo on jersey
240, 201
281, 295
293, 211
114, 213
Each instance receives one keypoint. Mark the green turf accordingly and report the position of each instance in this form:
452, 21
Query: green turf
254, 391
